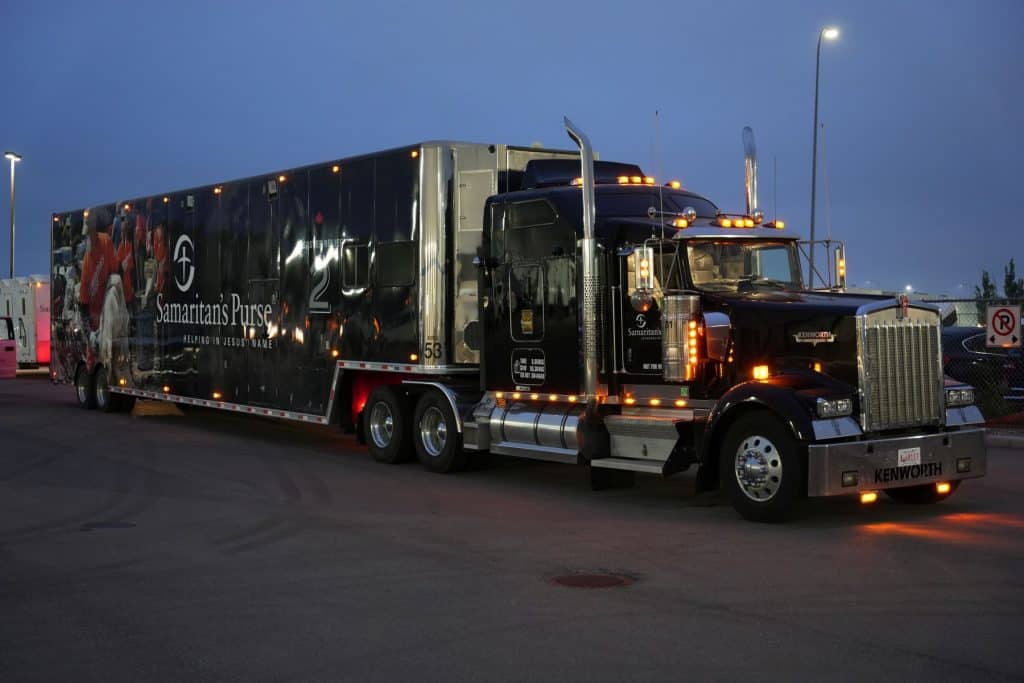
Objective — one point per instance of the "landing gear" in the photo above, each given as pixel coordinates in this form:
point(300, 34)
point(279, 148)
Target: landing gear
point(385, 419)
point(762, 468)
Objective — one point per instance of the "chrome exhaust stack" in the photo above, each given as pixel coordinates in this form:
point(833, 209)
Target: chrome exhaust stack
point(588, 247)
point(750, 172)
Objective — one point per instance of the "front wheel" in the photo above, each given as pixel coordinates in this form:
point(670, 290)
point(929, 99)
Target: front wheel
point(925, 494)
point(762, 468)
point(436, 435)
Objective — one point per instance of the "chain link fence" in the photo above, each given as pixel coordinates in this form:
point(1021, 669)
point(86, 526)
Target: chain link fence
point(995, 372)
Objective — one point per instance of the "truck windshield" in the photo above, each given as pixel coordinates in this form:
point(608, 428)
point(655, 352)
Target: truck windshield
point(743, 264)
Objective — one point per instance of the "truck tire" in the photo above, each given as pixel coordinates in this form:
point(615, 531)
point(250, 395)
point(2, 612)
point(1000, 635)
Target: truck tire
point(436, 435)
point(762, 468)
point(924, 494)
point(103, 399)
point(84, 389)
point(385, 422)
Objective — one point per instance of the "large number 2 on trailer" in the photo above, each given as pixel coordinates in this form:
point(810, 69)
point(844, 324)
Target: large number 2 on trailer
point(316, 302)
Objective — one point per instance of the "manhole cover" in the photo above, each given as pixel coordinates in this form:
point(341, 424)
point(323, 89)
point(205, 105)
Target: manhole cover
point(89, 526)
point(592, 580)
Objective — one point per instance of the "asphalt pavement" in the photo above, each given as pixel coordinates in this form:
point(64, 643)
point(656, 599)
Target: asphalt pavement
point(213, 546)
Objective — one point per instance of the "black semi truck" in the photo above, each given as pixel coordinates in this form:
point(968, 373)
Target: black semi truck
point(447, 299)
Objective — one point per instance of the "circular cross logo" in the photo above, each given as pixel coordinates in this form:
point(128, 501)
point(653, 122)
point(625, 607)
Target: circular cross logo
point(184, 270)
point(641, 321)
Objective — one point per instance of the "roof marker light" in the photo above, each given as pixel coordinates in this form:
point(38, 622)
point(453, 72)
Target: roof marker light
point(675, 184)
point(415, 153)
point(760, 372)
point(635, 179)
point(868, 497)
point(680, 223)
point(725, 222)
point(623, 179)
point(648, 180)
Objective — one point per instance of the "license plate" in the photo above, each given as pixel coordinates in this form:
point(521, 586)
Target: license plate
point(908, 456)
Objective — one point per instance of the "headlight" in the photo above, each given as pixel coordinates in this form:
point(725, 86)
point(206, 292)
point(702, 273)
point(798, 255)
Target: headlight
point(835, 407)
point(959, 397)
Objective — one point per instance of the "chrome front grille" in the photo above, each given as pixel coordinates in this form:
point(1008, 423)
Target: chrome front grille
point(900, 369)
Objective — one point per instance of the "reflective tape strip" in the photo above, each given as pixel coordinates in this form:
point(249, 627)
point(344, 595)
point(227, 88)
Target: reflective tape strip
point(409, 369)
point(221, 405)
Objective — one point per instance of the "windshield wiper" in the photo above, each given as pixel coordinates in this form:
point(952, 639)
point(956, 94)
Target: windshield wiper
point(758, 280)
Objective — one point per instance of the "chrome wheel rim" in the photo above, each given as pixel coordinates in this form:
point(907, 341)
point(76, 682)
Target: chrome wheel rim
point(82, 387)
point(101, 390)
point(382, 424)
point(433, 431)
point(758, 468)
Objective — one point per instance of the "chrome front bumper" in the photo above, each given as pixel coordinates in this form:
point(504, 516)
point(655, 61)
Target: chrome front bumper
point(877, 462)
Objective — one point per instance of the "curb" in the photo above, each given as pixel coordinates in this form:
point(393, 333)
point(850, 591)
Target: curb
point(996, 438)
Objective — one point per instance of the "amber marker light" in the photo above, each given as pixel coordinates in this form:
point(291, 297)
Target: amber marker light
point(680, 403)
point(499, 394)
point(675, 184)
point(648, 180)
point(414, 357)
point(748, 222)
point(725, 222)
point(943, 487)
point(166, 199)
point(635, 179)
point(868, 497)
point(85, 213)
point(122, 381)
point(817, 367)
point(680, 223)
point(516, 396)
point(217, 396)
point(127, 207)
point(218, 190)
point(760, 372)
point(629, 401)
point(576, 181)
point(281, 178)
point(623, 179)
point(167, 389)
point(553, 397)
point(335, 168)
point(655, 401)
point(415, 153)
point(334, 353)
point(572, 399)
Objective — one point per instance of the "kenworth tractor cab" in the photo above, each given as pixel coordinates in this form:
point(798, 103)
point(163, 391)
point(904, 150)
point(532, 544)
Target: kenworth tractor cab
point(638, 328)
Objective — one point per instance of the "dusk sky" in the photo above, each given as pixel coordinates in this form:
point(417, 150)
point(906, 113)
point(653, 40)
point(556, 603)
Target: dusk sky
point(921, 105)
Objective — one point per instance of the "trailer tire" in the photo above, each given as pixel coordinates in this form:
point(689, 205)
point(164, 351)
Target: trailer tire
point(385, 423)
point(104, 400)
point(436, 436)
point(759, 450)
point(84, 389)
point(925, 494)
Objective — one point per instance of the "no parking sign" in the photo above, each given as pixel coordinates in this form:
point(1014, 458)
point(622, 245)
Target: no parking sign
point(1003, 326)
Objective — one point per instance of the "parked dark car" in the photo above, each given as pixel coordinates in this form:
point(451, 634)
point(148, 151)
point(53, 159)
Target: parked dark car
point(997, 374)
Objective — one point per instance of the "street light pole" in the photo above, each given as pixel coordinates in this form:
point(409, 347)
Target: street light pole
point(828, 33)
point(14, 158)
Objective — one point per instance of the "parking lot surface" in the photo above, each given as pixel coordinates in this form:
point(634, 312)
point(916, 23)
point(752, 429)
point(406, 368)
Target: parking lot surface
point(217, 547)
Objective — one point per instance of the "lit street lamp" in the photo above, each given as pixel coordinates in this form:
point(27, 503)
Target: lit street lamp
point(827, 33)
point(14, 158)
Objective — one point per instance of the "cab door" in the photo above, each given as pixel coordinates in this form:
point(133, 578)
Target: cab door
point(8, 350)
